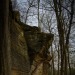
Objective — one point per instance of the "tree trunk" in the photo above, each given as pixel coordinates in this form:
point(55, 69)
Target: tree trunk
point(60, 25)
point(58, 62)
point(38, 13)
point(1, 35)
point(5, 39)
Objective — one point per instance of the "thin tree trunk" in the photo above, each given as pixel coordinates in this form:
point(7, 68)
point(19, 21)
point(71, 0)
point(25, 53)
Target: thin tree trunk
point(38, 13)
point(53, 69)
point(69, 62)
point(61, 32)
point(27, 15)
point(58, 61)
point(68, 34)
point(65, 72)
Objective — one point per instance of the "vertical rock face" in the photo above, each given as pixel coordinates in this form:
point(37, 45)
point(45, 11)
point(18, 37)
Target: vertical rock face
point(19, 54)
point(29, 48)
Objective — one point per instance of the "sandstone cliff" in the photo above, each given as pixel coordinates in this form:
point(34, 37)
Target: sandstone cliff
point(29, 48)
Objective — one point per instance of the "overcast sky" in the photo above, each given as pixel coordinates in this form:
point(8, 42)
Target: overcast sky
point(31, 20)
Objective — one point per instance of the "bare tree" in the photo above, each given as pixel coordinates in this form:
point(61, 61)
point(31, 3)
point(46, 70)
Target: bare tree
point(25, 9)
point(38, 12)
point(64, 25)
point(60, 24)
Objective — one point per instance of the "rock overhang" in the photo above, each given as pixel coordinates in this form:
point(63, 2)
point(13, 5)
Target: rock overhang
point(36, 40)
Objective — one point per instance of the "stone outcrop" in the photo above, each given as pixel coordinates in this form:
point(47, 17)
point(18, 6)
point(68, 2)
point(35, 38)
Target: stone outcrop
point(29, 48)
point(19, 52)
